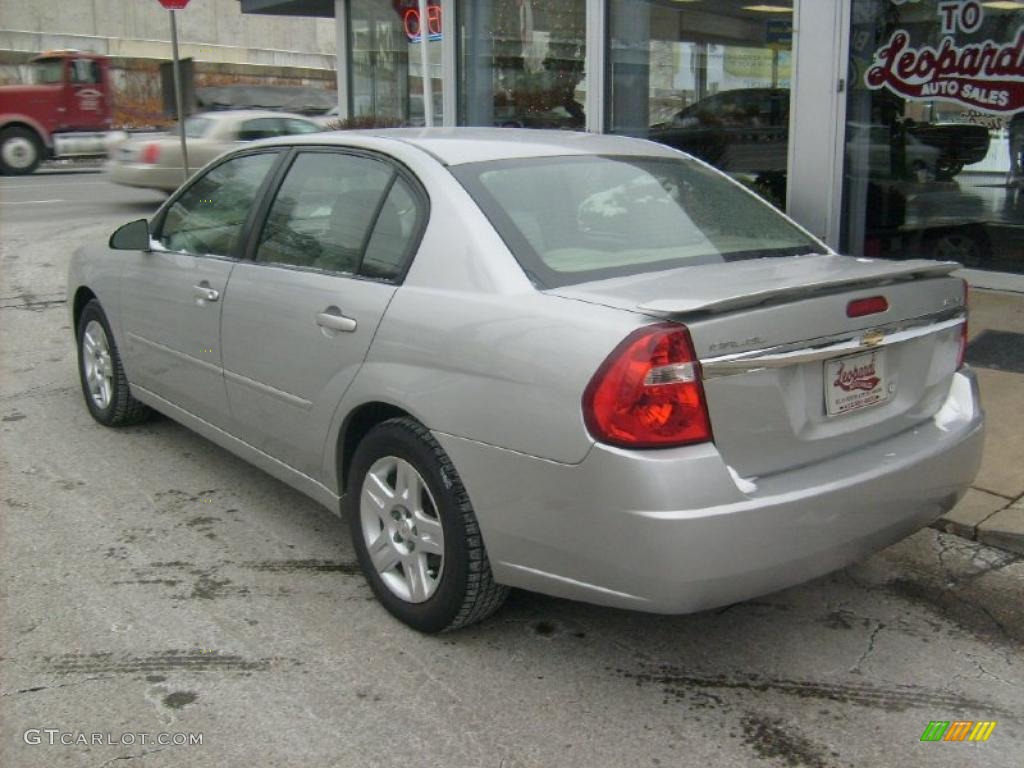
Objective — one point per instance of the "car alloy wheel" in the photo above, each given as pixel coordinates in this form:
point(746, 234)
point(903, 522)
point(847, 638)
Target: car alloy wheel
point(97, 365)
point(104, 383)
point(414, 531)
point(402, 529)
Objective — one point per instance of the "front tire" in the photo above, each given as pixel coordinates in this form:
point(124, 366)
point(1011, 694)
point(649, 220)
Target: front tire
point(415, 533)
point(20, 151)
point(104, 384)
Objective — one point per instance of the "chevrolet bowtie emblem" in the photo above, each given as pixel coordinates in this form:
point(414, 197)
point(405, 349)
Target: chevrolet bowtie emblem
point(872, 339)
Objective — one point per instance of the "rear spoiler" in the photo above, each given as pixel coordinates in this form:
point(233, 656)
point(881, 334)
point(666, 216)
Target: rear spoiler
point(868, 272)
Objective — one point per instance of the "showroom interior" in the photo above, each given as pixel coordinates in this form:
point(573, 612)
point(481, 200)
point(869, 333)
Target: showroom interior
point(889, 128)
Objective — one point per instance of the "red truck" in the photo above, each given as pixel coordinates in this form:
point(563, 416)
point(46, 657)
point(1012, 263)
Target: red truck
point(66, 111)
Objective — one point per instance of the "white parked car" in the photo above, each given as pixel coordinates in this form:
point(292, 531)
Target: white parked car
point(154, 160)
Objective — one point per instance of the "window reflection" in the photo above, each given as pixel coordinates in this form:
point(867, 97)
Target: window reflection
point(710, 79)
point(522, 63)
point(933, 161)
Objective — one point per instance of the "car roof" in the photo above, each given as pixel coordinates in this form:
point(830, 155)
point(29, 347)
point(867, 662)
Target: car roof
point(457, 146)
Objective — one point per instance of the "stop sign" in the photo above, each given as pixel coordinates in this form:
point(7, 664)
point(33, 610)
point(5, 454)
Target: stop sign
point(173, 5)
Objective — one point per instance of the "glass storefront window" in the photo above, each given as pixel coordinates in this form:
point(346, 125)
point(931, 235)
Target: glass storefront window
point(521, 63)
point(711, 79)
point(935, 132)
point(387, 64)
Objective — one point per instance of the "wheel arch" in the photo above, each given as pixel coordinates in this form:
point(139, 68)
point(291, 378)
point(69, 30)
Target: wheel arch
point(22, 121)
point(356, 425)
point(83, 295)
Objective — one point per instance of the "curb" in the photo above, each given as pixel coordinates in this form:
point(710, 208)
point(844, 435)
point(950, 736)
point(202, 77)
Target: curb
point(988, 519)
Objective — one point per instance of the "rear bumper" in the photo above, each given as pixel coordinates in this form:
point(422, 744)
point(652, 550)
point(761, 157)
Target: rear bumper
point(676, 531)
point(144, 175)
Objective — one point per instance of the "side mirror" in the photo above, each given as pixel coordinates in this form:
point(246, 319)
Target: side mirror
point(133, 236)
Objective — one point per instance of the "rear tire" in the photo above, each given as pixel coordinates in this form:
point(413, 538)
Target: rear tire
point(407, 504)
point(20, 151)
point(104, 384)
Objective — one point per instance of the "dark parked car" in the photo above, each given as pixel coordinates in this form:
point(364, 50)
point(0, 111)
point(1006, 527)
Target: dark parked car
point(747, 131)
point(959, 144)
point(740, 131)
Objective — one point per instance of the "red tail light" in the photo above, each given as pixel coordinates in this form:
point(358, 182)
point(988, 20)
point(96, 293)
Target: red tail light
point(150, 154)
point(647, 393)
point(869, 306)
point(963, 334)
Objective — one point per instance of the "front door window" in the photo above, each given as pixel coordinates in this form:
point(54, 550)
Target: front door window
point(208, 217)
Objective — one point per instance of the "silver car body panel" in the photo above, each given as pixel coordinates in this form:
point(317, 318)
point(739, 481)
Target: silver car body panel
point(675, 531)
point(285, 374)
point(496, 369)
point(170, 334)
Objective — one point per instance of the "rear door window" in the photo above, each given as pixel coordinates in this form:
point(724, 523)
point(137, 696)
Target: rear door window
point(294, 125)
point(395, 233)
point(260, 128)
point(323, 212)
point(344, 213)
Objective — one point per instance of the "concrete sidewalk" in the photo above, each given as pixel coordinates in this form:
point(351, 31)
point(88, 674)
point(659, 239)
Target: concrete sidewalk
point(993, 509)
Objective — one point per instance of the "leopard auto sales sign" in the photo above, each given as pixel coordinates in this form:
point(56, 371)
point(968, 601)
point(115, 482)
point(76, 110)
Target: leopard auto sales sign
point(987, 76)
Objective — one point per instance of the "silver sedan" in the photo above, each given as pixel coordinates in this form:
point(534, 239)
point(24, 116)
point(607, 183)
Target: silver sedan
point(584, 365)
point(154, 161)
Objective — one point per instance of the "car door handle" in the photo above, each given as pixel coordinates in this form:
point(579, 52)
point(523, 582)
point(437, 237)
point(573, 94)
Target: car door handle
point(332, 319)
point(205, 292)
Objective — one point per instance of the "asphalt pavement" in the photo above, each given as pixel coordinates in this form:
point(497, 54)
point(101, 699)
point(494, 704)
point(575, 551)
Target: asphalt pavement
point(153, 584)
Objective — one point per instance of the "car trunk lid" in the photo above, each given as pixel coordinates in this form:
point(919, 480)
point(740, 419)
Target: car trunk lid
point(790, 378)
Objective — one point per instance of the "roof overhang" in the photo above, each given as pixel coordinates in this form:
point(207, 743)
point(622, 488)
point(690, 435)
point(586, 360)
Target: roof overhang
point(323, 8)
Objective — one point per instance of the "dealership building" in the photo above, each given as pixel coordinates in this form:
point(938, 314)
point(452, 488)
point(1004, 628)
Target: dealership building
point(888, 127)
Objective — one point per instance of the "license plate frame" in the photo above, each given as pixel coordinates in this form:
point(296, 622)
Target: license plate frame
point(855, 382)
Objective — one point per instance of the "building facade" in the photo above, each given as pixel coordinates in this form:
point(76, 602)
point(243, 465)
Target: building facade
point(888, 127)
point(226, 47)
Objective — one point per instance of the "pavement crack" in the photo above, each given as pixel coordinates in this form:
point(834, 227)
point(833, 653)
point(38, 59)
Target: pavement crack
point(143, 753)
point(37, 688)
point(869, 650)
point(994, 676)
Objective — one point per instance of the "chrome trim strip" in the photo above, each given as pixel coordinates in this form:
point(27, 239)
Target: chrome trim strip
point(174, 352)
point(266, 389)
point(829, 346)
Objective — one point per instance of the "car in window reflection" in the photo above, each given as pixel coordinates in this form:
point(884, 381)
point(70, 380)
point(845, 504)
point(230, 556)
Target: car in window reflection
point(747, 131)
point(582, 365)
point(740, 131)
point(885, 154)
point(154, 160)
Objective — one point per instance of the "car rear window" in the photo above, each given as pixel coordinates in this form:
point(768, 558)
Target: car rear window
point(574, 219)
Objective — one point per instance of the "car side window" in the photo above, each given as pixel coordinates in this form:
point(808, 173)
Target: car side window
point(323, 211)
point(394, 233)
point(260, 128)
point(208, 217)
point(85, 71)
point(293, 125)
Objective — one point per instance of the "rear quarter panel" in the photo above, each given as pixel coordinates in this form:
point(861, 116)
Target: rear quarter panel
point(472, 349)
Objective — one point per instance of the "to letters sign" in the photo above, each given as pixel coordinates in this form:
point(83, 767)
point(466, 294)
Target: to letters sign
point(987, 76)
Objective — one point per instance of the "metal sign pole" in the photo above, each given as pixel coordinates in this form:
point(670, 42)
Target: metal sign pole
point(177, 94)
point(426, 81)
